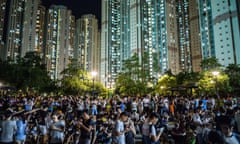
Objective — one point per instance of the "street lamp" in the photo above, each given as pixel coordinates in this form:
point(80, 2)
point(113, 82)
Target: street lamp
point(215, 74)
point(93, 73)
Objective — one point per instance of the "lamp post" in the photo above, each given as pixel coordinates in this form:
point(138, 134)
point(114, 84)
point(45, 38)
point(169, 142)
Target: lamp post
point(93, 73)
point(109, 78)
point(215, 74)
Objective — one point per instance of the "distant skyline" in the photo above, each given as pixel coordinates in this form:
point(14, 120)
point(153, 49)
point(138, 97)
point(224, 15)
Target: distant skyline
point(78, 7)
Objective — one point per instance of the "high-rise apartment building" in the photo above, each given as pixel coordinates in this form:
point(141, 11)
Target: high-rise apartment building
point(20, 28)
point(14, 30)
point(149, 35)
point(58, 38)
point(168, 38)
point(160, 36)
point(110, 41)
point(182, 8)
point(195, 37)
point(87, 43)
point(71, 37)
point(135, 28)
point(29, 26)
point(40, 30)
point(206, 29)
point(104, 44)
point(138, 27)
point(226, 25)
point(3, 10)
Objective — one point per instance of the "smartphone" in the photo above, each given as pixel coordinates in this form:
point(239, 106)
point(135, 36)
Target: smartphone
point(161, 129)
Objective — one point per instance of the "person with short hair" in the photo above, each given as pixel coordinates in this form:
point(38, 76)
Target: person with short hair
point(57, 128)
point(130, 135)
point(227, 124)
point(20, 135)
point(153, 134)
point(8, 128)
point(149, 132)
point(86, 127)
point(214, 137)
point(119, 130)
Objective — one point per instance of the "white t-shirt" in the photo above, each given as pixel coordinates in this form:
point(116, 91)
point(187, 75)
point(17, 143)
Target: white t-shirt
point(153, 131)
point(197, 118)
point(119, 127)
point(166, 103)
point(134, 106)
point(146, 102)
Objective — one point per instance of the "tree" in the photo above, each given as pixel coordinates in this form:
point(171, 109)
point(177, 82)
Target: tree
point(125, 84)
point(75, 80)
point(135, 78)
point(27, 73)
point(233, 72)
point(210, 84)
point(186, 78)
point(210, 64)
point(78, 81)
point(165, 83)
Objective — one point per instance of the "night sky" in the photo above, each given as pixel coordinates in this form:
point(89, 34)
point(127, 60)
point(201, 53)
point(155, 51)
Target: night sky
point(78, 7)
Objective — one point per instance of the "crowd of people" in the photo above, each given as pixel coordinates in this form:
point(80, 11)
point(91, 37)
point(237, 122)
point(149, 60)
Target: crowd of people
point(119, 120)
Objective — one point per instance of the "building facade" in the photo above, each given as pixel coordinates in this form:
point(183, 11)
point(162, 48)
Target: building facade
point(29, 26)
point(14, 29)
point(58, 37)
point(169, 49)
point(138, 27)
point(195, 36)
point(23, 28)
point(183, 21)
point(226, 27)
point(87, 45)
point(206, 28)
point(39, 42)
point(3, 10)
point(110, 41)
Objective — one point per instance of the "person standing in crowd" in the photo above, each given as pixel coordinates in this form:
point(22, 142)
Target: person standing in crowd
point(8, 128)
point(57, 128)
point(146, 103)
point(94, 110)
point(134, 105)
point(29, 105)
point(227, 125)
point(172, 108)
point(237, 119)
point(149, 132)
point(119, 129)
point(179, 134)
point(154, 135)
point(130, 135)
point(86, 127)
point(214, 137)
point(42, 123)
point(20, 135)
point(145, 131)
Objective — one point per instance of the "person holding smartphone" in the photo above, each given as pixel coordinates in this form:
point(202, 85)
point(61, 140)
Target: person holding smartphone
point(130, 135)
point(119, 129)
point(56, 128)
point(153, 133)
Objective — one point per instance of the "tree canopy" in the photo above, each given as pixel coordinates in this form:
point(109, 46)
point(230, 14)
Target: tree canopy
point(26, 73)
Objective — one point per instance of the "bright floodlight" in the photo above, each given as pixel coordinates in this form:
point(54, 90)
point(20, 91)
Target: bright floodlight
point(215, 73)
point(93, 73)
